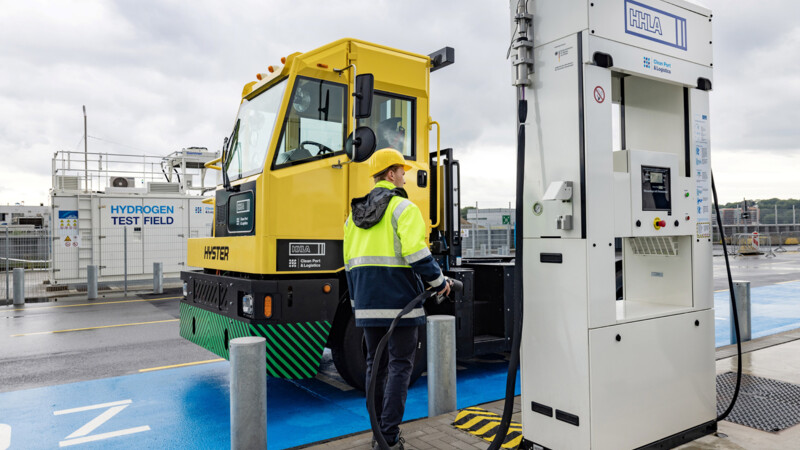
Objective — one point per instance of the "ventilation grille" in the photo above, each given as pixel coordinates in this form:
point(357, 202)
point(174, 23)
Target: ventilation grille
point(655, 245)
point(68, 183)
point(163, 187)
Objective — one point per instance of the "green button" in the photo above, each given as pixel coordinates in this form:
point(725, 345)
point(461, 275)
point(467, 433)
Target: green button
point(687, 194)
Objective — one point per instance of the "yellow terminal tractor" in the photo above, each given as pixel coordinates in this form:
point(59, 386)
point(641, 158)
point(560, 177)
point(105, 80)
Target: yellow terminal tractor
point(274, 265)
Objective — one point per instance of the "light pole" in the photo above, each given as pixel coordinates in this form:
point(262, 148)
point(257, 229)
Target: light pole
point(85, 154)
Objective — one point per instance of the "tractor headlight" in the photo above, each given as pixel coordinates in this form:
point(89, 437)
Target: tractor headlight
point(247, 305)
point(185, 289)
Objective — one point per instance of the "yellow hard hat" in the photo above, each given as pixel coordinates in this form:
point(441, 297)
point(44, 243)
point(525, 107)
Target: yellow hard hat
point(385, 158)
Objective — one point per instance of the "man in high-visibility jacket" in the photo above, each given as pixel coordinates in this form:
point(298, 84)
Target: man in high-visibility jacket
point(387, 260)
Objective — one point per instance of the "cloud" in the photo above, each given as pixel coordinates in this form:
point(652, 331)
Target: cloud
point(159, 75)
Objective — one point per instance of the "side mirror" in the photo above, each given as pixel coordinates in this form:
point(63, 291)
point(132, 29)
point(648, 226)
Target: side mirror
point(363, 95)
point(364, 144)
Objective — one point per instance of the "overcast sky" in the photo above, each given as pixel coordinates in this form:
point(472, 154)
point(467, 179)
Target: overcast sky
point(157, 76)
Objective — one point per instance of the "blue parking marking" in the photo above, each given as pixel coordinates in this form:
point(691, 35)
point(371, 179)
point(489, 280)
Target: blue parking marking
point(189, 408)
point(773, 309)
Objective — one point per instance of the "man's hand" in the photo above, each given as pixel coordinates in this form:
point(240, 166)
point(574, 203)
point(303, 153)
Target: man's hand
point(446, 290)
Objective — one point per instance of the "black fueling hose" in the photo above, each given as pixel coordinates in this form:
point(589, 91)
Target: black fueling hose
point(513, 363)
point(455, 286)
point(735, 313)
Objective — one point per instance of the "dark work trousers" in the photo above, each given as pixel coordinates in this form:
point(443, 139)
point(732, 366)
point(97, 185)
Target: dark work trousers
point(394, 373)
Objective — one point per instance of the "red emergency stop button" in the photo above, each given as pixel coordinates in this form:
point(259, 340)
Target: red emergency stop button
point(658, 223)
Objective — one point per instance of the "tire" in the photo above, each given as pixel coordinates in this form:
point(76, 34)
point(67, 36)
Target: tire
point(350, 356)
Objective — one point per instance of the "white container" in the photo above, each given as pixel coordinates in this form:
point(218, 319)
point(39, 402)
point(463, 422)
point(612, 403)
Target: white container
point(89, 229)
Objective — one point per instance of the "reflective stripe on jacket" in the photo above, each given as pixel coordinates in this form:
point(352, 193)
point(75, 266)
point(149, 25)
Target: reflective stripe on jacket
point(388, 262)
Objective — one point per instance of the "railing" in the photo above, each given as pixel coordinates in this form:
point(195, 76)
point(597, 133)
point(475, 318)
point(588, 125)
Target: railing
point(97, 172)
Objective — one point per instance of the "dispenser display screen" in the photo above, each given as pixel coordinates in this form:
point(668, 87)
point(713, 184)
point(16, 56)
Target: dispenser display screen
point(656, 189)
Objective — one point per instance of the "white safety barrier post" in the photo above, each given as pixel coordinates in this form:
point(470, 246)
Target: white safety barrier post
point(441, 334)
point(19, 286)
point(91, 282)
point(741, 290)
point(158, 278)
point(248, 393)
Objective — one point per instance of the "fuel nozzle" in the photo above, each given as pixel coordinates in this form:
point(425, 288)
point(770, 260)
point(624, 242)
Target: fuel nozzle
point(455, 286)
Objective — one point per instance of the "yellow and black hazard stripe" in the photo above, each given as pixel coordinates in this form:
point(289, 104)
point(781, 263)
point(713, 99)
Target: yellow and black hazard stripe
point(484, 424)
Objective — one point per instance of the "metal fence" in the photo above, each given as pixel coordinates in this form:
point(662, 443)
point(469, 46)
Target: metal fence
point(487, 241)
point(56, 264)
point(780, 227)
point(24, 247)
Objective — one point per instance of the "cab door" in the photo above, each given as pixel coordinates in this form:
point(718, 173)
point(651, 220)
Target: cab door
point(308, 180)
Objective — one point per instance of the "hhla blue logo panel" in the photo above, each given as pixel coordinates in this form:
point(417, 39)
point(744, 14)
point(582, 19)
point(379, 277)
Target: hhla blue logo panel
point(655, 25)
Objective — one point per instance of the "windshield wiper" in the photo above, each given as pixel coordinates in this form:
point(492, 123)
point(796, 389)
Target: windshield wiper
point(226, 182)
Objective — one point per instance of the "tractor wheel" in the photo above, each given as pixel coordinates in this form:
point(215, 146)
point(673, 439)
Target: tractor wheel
point(350, 356)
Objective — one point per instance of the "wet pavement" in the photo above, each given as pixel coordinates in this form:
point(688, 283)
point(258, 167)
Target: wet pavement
point(65, 362)
point(74, 339)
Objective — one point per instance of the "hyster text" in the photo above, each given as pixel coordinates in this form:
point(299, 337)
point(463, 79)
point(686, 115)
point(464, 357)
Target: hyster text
point(216, 252)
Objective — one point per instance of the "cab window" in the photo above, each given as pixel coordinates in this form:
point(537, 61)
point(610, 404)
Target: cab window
point(392, 120)
point(315, 122)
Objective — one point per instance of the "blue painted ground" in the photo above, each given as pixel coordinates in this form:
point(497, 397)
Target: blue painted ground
point(774, 309)
point(188, 408)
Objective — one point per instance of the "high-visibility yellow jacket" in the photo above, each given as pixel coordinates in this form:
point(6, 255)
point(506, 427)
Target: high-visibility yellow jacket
point(387, 258)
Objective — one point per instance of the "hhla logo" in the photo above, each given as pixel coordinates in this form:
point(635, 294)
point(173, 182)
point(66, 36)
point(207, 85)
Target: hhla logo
point(644, 21)
point(655, 25)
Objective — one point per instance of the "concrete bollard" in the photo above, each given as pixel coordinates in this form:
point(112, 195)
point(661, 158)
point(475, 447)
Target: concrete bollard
point(248, 393)
point(441, 334)
point(91, 282)
point(19, 286)
point(158, 278)
point(741, 289)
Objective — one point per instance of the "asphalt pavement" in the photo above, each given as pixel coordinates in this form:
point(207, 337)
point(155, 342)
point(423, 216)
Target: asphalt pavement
point(75, 339)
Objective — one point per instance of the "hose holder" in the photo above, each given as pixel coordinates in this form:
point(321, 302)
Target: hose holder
point(561, 191)
point(522, 43)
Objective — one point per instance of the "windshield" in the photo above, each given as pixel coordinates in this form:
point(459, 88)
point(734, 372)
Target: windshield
point(250, 141)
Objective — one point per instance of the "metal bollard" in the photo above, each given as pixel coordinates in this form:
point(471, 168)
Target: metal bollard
point(248, 393)
point(7, 256)
point(125, 257)
point(91, 282)
point(19, 286)
point(741, 289)
point(158, 278)
point(441, 334)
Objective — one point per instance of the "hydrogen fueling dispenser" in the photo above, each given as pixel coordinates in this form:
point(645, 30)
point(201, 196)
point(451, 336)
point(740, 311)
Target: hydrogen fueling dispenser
point(617, 345)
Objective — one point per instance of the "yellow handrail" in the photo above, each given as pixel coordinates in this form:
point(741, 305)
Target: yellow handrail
point(210, 164)
point(439, 183)
point(208, 201)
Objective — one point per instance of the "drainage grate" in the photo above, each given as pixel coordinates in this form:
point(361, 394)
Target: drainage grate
point(100, 287)
point(763, 404)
